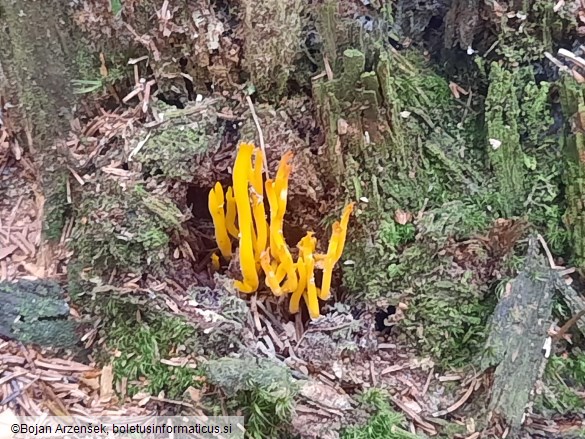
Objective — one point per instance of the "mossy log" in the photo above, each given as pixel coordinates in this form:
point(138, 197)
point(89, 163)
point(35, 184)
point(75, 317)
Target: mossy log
point(349, 108)
point(505, 151)
point(36, 312)
point(573, 104)
point(35, 78)
point(518, 331)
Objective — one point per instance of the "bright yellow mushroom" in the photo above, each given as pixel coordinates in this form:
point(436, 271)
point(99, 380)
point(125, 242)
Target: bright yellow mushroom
point(215, 262)
point(311, 294)
point(273, 203)
point(271, 281)
point(231, 212)
point(305, 266)
point(262, 247)
point(329, 261)
point(278, 247)
point(343, 223)
point(295, 299)
point(241, 175)
point(215, 204)
point(257, 197)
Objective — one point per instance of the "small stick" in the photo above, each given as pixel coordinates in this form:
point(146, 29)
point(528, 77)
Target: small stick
point(568, 324)
point(260, 134)
point(549, 255)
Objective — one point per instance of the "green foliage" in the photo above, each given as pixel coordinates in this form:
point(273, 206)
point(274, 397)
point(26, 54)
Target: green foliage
point(384, 423)
point(264, 390)
point(116, 6)
point(90, 78)
point(393, 235)
point(565, 381)
point(137, 340)
point(128, 230)
point(455, 219)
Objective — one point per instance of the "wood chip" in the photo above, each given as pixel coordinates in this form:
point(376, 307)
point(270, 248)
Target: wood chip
point(106, 383)
point(7, 251)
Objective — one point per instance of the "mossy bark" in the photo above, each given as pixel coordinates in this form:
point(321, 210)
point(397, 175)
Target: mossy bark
point(35, 78)
point(515, 345)
point(573, 104)
point(36, 312)
point(505, 152)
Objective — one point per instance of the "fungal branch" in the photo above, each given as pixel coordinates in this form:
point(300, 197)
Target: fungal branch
point(262, 249)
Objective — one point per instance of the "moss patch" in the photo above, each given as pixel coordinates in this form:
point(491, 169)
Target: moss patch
point(564, 381)
point(176, 148)
point(262, 389)
point(127, 230)
point(272, 41)
point(137, 341)
point(384, 423)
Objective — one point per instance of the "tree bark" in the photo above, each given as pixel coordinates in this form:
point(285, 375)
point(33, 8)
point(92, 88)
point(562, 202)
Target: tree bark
point(35, 80)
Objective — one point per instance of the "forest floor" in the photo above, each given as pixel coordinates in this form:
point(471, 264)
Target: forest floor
point(452, 156)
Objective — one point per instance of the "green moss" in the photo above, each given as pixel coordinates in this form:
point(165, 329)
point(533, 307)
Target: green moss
point(572, 100)
point(262, 389)
point(565, 380)
point(503, 139)
point(136, 340)
point(272, 42)
point(127, 230)
point(384, 422)
point(174, 149)
point(56, 206)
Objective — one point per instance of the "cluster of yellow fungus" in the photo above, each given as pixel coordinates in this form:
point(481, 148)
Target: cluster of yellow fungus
point(261, 244)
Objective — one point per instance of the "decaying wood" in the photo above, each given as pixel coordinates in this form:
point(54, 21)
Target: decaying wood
point(518, 331)
point(36, 312)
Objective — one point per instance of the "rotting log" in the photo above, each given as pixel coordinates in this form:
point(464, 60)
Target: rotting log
point(504, 147)
point(36, 312)
point(35, 79)
point(573, 105)
point(518, 332)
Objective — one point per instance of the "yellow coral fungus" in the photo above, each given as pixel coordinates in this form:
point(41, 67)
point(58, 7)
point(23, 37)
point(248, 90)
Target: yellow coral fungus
point(231, 212)
point(330, 260)
point(271, 281)
point(257, 197)
point(215, 204)
point(311, 293)
point(262, 246)
point(306, 248)
point(215, 262)
point(343, 223)
point(240, 183)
